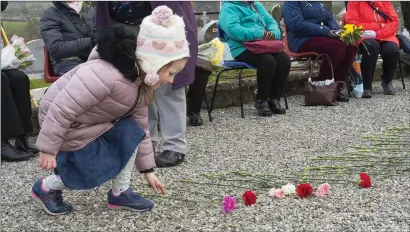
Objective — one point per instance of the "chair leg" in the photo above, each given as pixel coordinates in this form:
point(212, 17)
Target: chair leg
point(215, 87)
point(401, 74)
point(241, 94)
point(207, 106)
point(310, 67)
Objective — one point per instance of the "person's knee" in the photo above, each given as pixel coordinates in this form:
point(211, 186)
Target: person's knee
point(4, 79)
point(265, 61)
point(370, 47)
point(283, 58)
point(19, 78)
point(389, 50)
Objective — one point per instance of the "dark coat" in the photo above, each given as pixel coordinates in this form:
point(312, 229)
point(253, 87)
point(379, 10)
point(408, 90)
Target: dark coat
point(181, 8)
point(68, 37)
point(303, 21)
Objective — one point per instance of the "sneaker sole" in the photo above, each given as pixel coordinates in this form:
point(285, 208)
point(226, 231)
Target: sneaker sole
point(119, 207)
point(38, 200)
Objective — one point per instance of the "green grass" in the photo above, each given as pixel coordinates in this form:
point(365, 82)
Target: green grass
point(17, 28)
point(35, 84)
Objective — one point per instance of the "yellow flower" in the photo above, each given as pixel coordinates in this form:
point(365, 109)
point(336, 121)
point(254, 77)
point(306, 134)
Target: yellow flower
point(349, 28)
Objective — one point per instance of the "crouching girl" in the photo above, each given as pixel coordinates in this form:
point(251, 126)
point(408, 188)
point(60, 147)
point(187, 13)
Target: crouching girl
point(94, 119)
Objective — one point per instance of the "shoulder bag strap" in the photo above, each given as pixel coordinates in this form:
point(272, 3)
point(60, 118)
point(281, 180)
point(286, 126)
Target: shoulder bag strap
point(379, 12)
point(129, 112)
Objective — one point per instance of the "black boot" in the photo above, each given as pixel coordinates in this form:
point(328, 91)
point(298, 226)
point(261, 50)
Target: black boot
point(22, 144)
point(169, 159)
point(275, 107)
point(263, 108)
point(11, 154)
point(195, 119)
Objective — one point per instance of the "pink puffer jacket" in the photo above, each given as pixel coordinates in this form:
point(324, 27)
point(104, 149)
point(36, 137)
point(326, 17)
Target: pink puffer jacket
point(93, 94)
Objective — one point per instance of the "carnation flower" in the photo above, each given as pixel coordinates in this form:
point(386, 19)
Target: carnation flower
point(323, 190)
point(228, 204)
point(289, 189)
point(278, 193)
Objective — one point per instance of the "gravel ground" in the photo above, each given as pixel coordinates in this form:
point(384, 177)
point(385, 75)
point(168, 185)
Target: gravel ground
point(269, 145)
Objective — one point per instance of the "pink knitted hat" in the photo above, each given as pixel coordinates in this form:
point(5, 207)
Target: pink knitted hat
point(161, 40)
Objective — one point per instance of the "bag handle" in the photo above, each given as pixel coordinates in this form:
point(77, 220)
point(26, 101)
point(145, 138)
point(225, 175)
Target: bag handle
point(379, 12)
point(329, 61)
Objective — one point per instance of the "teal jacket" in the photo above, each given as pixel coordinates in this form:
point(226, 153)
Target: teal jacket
point(245, 21)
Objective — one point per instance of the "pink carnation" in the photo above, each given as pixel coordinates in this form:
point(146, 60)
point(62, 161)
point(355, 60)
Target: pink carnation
point(323, 190)
point(26, 51)
point(228, 204)
point(278, 193)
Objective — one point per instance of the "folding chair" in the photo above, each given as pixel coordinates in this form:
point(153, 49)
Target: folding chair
point(300, 56)
point(49, 76)
point(231, 66)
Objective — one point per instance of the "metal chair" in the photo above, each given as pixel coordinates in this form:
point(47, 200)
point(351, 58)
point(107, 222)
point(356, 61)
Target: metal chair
point(231, 66)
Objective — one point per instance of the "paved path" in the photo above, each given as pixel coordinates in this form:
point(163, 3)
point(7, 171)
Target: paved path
point(272, 146)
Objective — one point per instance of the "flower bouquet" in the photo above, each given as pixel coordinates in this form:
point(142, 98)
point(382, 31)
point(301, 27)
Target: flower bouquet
point(16, 55)
point(351, 34)
point(212, 51)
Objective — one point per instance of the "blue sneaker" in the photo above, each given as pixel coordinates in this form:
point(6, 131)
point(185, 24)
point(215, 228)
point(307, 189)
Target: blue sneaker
point(129, 200)
point(51, 201)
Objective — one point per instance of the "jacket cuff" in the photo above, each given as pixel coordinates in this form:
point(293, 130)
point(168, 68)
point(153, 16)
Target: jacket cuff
point(145, 162)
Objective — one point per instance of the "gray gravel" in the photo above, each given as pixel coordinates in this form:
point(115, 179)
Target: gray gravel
point(273, 146)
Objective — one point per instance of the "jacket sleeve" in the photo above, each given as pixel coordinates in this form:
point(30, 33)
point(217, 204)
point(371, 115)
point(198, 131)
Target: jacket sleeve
point(83, 91)
point(353, 17)
point(271, 24)
point(145, 154)
point(53, 38)
point(294, 22)
point(390, 27)
point(332, 23)
point(229, 21)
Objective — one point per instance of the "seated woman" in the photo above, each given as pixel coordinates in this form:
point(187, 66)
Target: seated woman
point(68, 33)
point(15, 116)
point(311, 28)
point(246, 21)
point(381, 18)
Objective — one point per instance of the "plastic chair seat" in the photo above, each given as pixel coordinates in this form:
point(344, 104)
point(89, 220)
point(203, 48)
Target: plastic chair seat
point(236, 64)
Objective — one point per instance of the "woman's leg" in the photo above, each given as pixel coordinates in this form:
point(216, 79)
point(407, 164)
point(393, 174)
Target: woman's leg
point(282, 72)
point(11, 125)
point(333, 48)
point(266, 67)
point(389, 52)
point(121, 196)
point(370, 50)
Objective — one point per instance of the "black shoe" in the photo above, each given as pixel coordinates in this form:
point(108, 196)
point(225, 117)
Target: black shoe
point(22, 144)
point(169, 159)
point(11, 154)
point(343, 95)
point(275, 107)
point(367, 93)
point(263, 108)
point(388, 88)
point(195, 119)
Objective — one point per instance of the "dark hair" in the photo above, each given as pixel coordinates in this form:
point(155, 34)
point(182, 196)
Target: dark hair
point(117, 46)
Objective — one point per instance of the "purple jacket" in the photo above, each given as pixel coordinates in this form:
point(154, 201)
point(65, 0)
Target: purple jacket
point(181, 8)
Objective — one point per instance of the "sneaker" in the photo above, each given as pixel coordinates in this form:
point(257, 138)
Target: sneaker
point(263, 108)
point(367, 93)
point(388, 88)
point(275, 107)
point(129, 200)
point(51, 201)
point(343, 95)
point(195, 119)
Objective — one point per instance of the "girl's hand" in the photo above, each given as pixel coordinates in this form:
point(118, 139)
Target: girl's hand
point(154, 182)
point(47, 161)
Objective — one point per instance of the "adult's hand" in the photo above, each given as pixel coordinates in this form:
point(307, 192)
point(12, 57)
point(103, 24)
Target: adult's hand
point(268, 36)
point(333, 35)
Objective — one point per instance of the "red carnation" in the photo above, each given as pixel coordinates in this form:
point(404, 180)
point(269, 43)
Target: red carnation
point(304, 190)
point(365, 181)
point(249, 197)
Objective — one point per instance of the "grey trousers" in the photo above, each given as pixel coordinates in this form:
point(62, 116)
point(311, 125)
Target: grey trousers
point(170, 108)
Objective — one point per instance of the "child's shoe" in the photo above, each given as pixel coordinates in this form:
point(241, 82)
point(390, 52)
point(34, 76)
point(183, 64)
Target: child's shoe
point(129, 200)
point(51, 201)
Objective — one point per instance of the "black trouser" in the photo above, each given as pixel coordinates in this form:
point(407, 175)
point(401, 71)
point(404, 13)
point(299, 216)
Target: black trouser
point(272, 72)
point(197, 89)
point(15, 104)
point(370, 50)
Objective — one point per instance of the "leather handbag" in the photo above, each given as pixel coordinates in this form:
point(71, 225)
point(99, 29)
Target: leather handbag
point(264, 46)
point(323, 93)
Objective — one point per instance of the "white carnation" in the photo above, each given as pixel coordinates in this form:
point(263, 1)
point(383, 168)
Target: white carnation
point(289, 189)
